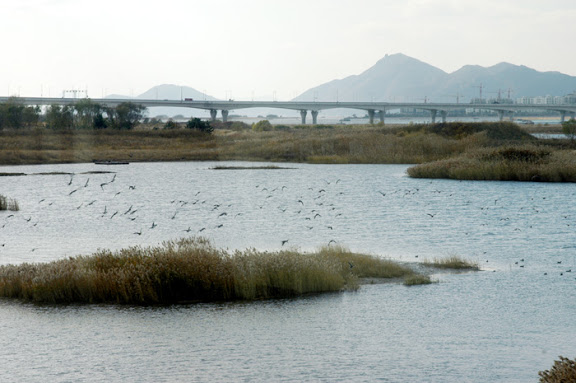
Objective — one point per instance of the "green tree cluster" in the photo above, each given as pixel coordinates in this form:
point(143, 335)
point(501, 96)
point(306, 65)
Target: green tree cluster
point(198, 124)
point(14, 114)
point(84, 114)
point(569, 129)
point(125, 116)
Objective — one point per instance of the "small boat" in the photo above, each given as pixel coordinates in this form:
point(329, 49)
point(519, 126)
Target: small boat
point(111, 162)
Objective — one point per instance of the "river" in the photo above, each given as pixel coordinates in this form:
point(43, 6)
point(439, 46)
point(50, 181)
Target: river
point(504, 323)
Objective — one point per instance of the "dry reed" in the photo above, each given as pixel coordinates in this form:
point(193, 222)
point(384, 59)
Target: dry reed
point(189, 270)
point(452, 262)
point(417, 279)
point(563, 371)
point(339, 144)
point(509, 163)
point(8, 203)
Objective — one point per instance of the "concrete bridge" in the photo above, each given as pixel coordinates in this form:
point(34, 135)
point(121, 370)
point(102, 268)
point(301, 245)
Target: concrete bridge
point(435, 109)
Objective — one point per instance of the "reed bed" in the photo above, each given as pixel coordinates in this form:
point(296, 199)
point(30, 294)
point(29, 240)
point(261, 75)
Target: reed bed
point(189, 270)
point(8, 203)
point(417, 279)
point(339, 144)
point(452, 262)
point(365, 265)
point(509, 163)
point(563, 371)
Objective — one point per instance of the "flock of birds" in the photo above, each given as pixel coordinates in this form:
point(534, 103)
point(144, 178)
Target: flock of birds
point(315, 211)
point(101, 196)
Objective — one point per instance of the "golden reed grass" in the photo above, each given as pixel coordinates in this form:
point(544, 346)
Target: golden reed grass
point(563, 371)
point(190, 270)
point(417, 279)
point(452, 262)
point(339, 144)
point(509, 163)
point(8, 203)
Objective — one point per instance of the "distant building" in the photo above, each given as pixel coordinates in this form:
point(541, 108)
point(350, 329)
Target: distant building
point(547, 100)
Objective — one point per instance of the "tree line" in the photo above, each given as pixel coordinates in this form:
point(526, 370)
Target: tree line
point(83, 114)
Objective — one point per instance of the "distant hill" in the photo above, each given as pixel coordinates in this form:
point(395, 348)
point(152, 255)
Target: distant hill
point(174, 92)
point(400, 78)
point(171, 92)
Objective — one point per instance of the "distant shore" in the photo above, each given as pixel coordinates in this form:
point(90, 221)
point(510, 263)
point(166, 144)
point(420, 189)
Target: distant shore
point(378, 144)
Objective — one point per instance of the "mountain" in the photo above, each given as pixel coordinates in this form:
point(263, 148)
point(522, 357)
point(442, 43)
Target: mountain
point(174, 92)
point(397, 78)
point(171, 92)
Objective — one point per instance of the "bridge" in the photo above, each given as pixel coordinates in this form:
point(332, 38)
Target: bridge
point(435, 109)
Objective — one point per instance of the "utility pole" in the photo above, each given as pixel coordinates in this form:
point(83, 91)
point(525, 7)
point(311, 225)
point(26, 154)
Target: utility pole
point(480, 87)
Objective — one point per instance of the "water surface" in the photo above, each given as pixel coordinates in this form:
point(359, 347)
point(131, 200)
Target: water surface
point(502, 324)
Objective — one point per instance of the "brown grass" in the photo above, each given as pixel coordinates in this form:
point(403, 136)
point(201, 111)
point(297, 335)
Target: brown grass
point(190, 270)
point(417, 279)
point(8, 203)
point(339, 144)
point(563, 371)
point(510, 163)
point(452, 262)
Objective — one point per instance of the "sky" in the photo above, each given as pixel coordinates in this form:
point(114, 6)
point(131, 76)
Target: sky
point(264, 49)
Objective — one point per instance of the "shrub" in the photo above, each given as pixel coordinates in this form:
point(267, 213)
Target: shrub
point(170, 124)
point(262, 126)
point(198, 124)
point(569, 129)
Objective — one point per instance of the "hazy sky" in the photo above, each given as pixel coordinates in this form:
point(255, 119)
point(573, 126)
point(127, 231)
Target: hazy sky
point(256, 48)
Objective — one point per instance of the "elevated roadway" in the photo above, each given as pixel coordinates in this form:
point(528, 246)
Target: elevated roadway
point(435, 109)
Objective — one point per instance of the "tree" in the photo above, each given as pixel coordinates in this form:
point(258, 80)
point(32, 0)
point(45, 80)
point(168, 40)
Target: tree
point(170, 124)
point(126, 115)
point(14, 114)
point(31, 116)
point(569, 129)
point(262, 126)
point(87, 113)
point(198, 124)
point(99, 122)
point(60, 117)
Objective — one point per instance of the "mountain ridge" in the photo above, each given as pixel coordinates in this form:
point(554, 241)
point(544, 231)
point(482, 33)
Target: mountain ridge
point(399, 77)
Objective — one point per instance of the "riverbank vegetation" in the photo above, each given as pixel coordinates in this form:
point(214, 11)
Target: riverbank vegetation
point(507, 163)
point(8, 203)
point(408, 144)
point(563, 371)
point(86, 132)
point(192, 270)
point(452, 262)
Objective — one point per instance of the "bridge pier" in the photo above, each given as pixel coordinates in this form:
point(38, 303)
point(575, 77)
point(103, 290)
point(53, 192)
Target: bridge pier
point(213, 113)
point(443, 114)
point(562, 116)
point(433, 113)
point(314, 116)
point(503, 113)
point(371, 115)
point(303, 115)
point(382, 114)
point(224, 115)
